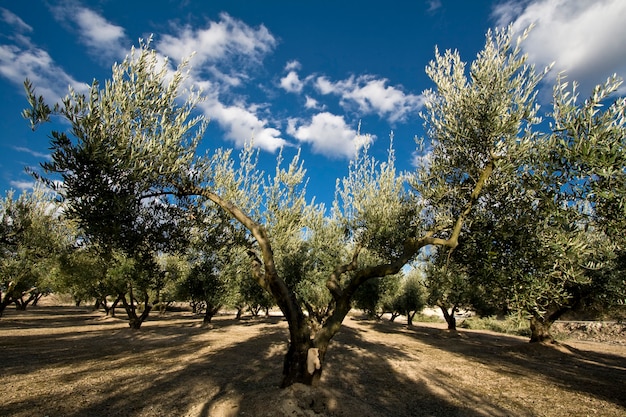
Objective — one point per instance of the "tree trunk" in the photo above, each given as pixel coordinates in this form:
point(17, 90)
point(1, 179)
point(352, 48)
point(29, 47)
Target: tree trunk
point(111, 310)
point(135, 321)
point(540, 330)
point(409, 318)
point(449, 316)
point(540, 324)
point(303, 363)
point(209, 313)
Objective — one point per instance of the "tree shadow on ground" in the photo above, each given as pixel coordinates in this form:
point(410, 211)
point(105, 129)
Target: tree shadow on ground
point(368, 369)
point(176, 367)
point(598, 374)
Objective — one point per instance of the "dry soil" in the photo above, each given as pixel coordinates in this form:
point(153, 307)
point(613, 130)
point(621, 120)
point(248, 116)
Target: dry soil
point(68, 361)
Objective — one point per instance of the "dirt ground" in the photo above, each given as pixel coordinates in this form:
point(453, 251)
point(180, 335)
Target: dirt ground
point(68, 361)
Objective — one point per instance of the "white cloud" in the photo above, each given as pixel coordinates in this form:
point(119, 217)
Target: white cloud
point(221, 41)
point(584, 38)
point(433, 5)
point(311, 103)
point(223, 54)
point(15, 21)
point(329, 135)
point(23, 185)
point(372, 96)
point(50, 81)
point(291, 83)
point(292, 66)
point(324, 86)
point(104, 39)
point(242, 124)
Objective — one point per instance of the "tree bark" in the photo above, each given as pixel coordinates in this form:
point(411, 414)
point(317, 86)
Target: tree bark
point(303, 362)
point(449, 316)
point(540, 330)
point(135, 321)
point(409, 318)
point(209, 313)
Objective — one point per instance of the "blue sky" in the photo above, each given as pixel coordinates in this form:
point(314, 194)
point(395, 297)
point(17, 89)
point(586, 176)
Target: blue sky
point(291, 74)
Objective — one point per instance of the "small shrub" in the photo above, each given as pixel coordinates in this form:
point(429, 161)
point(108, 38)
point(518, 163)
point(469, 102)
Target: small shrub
point(427, 318)
point(510, 325)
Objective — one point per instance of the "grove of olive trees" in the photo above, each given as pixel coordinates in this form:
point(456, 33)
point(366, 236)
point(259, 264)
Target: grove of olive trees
point(132, 179)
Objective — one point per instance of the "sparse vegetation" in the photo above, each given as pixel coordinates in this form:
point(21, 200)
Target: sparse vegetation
point(513, 324)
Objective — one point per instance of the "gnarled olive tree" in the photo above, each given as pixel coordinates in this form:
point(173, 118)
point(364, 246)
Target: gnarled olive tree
point(135, 126)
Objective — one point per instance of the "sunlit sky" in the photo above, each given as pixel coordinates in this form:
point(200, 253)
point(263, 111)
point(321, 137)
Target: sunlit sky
point(291, 74)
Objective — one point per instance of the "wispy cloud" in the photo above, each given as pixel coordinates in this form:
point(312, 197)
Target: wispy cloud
point(23, 185)
point(433, 5)
point(104, 39)
point(312, 103)
point(329, 135)
point(584, 38)
point(14, 21)
point(18, 62)
point(32, 152)
point(20, 59)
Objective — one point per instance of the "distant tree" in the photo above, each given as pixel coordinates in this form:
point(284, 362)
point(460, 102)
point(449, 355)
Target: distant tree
point(410, 300)
point(140, 145)
point(376, 296)
point(448, 287)
point(174, 269)
point(32, 234)
point(81, 274)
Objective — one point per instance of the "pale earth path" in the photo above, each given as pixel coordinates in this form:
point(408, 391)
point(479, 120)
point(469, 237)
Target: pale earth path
point(66, 361)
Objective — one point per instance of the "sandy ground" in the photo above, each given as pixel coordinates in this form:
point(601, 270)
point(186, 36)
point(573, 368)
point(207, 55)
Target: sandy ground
point(67, 361)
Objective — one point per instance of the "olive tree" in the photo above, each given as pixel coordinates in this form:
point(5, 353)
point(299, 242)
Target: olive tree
point(33, 234)
point(448, 287)
point(551, 240)
point(410, 299)
point(141, 135)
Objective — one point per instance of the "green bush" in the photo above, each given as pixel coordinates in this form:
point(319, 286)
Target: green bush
point(510, 324)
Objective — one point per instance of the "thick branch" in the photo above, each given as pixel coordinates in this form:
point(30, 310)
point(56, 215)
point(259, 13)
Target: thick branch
point(411, 247)
point(270, 279)
point(333, 283)
point(453, 240)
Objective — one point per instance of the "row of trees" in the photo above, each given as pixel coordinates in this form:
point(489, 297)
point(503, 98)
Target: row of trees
point(42, 251)
point(510, 208)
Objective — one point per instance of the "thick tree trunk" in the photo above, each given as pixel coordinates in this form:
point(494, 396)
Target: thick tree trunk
point(135, 321)
point(540, 324)
point(303, 363)
point(540, 330)
point(449, 316)
point(209, 313)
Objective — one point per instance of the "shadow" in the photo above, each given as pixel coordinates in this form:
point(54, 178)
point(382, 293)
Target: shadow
point(599, 374)
point(175, 367)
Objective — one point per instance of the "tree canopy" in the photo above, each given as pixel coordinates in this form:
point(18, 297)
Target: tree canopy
point(132, 178)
